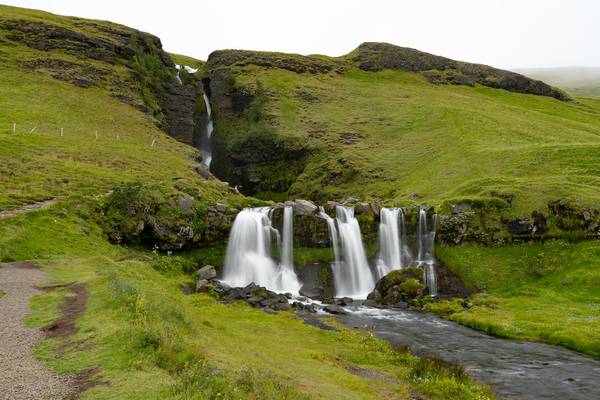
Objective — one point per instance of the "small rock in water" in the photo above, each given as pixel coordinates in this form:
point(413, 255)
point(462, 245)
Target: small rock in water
point(343, 301)
point(333, 309)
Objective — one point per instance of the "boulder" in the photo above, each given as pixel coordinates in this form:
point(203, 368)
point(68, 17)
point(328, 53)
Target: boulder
point(364, 209)
point(202, 286)
point(397, 287)
point(519, 226)
point(207, 272)
point(304, 207)
point(334, 309)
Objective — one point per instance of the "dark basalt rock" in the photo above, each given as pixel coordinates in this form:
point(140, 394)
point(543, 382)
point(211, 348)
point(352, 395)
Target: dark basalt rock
point(398, 286)
point(291, 62)
point(317, 281)
point(378, 56)
point(258, 297)
point(335, 309)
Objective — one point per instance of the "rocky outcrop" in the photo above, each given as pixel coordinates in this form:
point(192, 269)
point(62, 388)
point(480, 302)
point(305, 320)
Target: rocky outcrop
point(291, 62)
point(378, 56)
point(161, 217)
point(259, 297)
point(489, 222)
point(399, 288)
point(317, 280)
point(180, 105)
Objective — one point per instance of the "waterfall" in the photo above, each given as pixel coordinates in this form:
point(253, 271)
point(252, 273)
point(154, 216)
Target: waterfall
point(205, 141)
point(248, 258)
point(287, 253)
point(288, 280)
point(393, 249)
point(177, 77)
point(389, 242)
point(426, 257)
point(352, 276)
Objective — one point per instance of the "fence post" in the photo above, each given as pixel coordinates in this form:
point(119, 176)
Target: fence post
point(62, 132)
point(14, 127)
point(32, 130)
point(96, 135)
point(153, 142)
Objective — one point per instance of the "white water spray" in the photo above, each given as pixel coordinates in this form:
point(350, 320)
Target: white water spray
point(248, 258)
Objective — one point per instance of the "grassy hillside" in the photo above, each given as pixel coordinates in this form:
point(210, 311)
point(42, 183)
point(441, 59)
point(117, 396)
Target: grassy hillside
point(547, 292)
point(86, 120)
point(394, 135)
point(148, 339)
point(58, 138)
point(578, 81)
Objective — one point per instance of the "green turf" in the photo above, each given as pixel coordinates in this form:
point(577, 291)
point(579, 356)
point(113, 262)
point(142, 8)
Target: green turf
point(426, 143)
point(149, 339)
point(546, 292)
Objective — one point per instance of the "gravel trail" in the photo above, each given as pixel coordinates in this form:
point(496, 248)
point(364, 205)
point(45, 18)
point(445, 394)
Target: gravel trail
point(22, 376)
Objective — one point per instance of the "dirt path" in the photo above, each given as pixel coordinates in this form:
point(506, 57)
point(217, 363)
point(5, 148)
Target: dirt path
point(29, 207)
point(21, 376)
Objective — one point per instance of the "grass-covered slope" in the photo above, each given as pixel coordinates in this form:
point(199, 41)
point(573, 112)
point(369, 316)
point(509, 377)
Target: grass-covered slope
point(547, 292)
point(395, 135)
point(76, 116)
point(144, 338)
point(82, 98)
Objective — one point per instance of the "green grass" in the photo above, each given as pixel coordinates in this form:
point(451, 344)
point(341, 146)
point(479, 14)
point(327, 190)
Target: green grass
point(547, 292)
point(149, 339)
point(429, 143)
point(104, 142)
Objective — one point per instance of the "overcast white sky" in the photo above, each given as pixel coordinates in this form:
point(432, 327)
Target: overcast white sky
point(508, 34)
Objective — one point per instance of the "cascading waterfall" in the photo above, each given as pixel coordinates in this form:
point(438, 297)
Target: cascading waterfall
point(352, 276)
point(248, 258)
point(426, 258)
point(288, 280)
point(393, 250)
point(205, 140)
point(177, 77)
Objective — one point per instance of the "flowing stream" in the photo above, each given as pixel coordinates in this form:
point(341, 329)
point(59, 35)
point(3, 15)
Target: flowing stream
point(516, 370)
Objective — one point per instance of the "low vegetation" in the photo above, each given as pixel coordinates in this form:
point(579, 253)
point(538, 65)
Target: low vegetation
point(148, 339)
point(548, 292)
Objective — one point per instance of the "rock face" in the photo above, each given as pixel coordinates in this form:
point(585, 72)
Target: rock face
point(378, 56)
point(179, 104)
point(317, 281)
point(398, 287)
point(156, 216)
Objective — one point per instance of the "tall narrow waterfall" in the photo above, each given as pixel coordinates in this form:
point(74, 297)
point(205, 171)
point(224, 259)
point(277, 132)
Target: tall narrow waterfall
point(248, 258)
point(288, 280)
point(393, 249)
point(426, 257)
point(352, 276)
point(205, 145)
point(177, 77)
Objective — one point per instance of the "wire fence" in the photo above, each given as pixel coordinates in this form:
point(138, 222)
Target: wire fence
point(53, 130)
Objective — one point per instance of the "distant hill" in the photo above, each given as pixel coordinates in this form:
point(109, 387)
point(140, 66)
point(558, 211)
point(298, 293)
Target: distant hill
point(578, 81)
